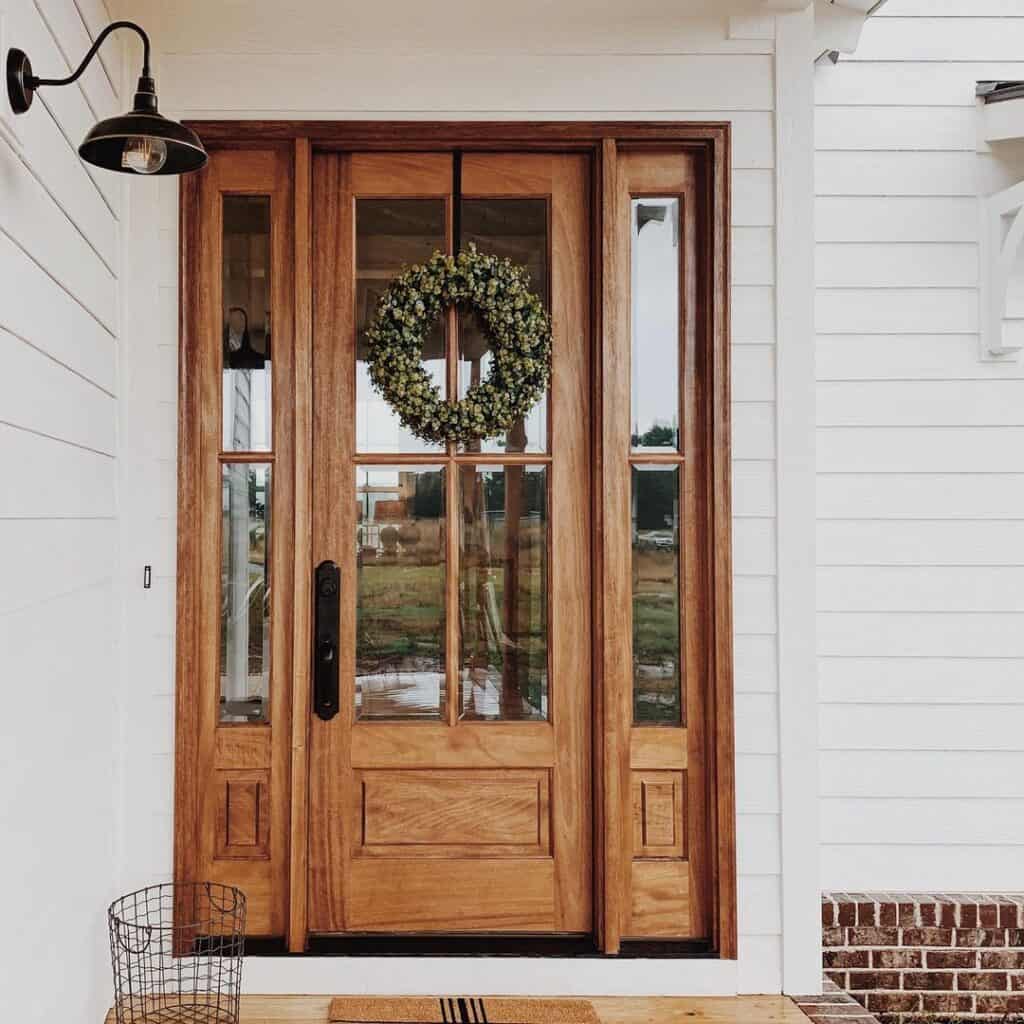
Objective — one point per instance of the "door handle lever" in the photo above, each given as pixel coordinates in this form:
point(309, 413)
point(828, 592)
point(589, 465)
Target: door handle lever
point(327, 586)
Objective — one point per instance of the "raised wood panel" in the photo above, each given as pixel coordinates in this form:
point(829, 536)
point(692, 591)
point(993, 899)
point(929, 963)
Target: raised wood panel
point(489, 813)
point(660, 899)
point(243, 815)
point(489, 894)
point(659, 815)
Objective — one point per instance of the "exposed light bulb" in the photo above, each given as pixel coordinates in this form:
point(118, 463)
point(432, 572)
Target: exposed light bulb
point(144, 154)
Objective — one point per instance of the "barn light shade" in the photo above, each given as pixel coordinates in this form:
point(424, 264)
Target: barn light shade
point(142, 141)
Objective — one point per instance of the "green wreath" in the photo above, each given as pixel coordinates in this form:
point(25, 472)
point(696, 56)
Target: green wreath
point(516, 325)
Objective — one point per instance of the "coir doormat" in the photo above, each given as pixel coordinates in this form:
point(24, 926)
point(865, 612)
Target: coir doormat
point(459, 1010)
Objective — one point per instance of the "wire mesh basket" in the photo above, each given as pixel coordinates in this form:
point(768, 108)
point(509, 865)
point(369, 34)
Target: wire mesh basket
point(176, 950)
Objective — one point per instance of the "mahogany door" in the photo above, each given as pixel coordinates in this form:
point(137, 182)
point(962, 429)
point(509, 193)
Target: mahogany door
point(452, 790)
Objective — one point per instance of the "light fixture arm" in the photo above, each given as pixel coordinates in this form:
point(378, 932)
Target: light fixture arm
point(35, 82)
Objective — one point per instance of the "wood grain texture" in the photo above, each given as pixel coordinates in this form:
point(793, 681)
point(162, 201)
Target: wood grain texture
point(490, 813)
point(659, 898)
point(610, 1009)
point(205, 750)
point(298, 841)
point(561, 747)
point(243, 814)
point(477, 894)
point(659, 814)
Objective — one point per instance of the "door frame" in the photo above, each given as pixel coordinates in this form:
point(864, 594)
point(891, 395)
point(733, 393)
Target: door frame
point(709, 144)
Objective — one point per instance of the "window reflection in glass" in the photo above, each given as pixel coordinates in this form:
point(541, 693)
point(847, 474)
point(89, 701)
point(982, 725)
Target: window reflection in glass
point(654, 301)
point(245, 593)
point(503, 592)
point(392, 234)
point(400, 599)
point(246, 339)
point(516, 229)
point(656, 648)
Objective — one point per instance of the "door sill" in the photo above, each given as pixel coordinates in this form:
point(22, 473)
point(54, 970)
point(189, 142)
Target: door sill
point(569, 946)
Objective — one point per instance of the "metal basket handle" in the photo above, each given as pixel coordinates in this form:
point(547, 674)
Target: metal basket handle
point(120, 926)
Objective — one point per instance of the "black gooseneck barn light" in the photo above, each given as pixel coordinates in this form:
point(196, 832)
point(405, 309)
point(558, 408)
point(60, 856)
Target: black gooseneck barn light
point(142, 141)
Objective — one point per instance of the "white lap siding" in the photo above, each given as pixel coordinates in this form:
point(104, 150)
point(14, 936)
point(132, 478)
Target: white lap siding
point(921, 468)
point(60, 232)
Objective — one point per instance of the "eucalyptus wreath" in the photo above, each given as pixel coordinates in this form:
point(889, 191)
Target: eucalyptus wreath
point(516, 324)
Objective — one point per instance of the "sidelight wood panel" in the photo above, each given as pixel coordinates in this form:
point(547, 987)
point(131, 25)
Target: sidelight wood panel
point(232, 780)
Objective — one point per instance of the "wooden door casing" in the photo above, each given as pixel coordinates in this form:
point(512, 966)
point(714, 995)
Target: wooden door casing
point(286, 894)
point(537, 880)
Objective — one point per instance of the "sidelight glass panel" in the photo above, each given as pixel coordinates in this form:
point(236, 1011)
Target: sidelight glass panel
point(503, 592)
point(246, 335)
point(516, 229)
point(245, 593)
point(656, 581)
point(392, 234)
point(654, 311)
point(400, 598)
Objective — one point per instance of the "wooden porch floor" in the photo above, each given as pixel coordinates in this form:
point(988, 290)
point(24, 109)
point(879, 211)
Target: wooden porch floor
point(696, 1010)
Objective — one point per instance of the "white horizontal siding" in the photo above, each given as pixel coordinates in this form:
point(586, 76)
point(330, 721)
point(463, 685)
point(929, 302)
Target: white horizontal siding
point(921, 471)
point(59, 619)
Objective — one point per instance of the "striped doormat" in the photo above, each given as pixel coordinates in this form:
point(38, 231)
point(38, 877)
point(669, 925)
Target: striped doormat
point(459, 1010)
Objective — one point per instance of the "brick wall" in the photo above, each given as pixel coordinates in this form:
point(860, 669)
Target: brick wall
point(927, 956)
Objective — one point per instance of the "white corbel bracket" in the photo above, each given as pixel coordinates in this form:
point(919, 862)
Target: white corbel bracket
point(1002, 231)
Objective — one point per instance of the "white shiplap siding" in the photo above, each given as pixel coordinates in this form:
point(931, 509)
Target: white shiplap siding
point(921, 468)
point(59, 264)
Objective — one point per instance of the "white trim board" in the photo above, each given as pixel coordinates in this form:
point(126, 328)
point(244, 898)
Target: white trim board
point(535, 976)
point(795, 469)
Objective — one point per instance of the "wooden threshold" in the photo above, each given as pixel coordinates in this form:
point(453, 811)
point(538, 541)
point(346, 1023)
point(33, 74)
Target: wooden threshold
point(610, 1010)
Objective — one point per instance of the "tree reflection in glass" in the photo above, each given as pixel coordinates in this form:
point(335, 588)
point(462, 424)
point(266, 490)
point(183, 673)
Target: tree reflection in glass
point(503, 592)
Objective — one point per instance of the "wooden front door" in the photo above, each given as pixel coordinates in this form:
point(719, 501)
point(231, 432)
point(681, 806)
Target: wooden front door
point(452, 790)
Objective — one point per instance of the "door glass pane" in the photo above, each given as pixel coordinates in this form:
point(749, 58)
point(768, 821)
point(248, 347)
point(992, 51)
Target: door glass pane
point(400, 599)
point(245, 593)
point(392, 234)
point(503, 592)
point(246, 337)
point(516, 229)
point(654, 301)
point(656, 650)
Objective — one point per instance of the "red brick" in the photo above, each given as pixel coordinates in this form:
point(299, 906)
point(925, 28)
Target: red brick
point(888, 915)
point(980, 937)
point(927, 937)
point(947, 1002)
point(1009, 914)
point(952, 958)
point(988, 915)
point(1017, 982)
point(867, 914)
point(1007, 959)
point(832, 937)
point(846, 958)
point(1015, 937)
point(1000, 1004)
point(839, 977)
point(926, 912)
point(981, 981)
point(873, 937)
point(968, 915)
point(828, 913)
point(928, 980)
point(846, 913)
point(894, 1002)
point(896, 959)
point(865, 981)
point(947, 914)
